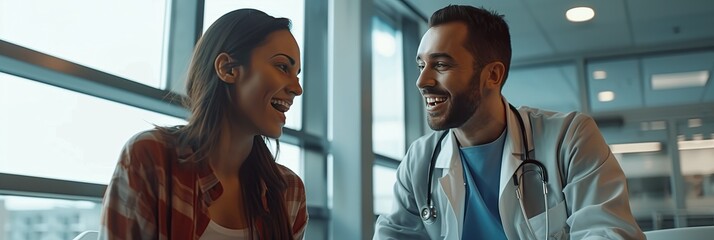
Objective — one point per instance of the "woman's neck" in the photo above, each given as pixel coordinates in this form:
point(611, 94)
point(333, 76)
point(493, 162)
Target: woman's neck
point(233, 149)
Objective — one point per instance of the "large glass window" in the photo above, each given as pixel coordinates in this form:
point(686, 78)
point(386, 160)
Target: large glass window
point(55, 133)
point(124, 38)
point(43, 218)
point(696, 152)
point(291, 9)
point(648, 171)
point(387, 90)
point(383, 183)
point(289, 156)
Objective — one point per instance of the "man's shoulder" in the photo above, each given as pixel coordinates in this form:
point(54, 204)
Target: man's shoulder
point(548, 118)
point(426, 142)
point(430, 137)
point(421, 149)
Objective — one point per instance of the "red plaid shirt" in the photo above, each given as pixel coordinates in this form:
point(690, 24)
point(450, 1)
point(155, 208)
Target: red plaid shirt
point(136, 206)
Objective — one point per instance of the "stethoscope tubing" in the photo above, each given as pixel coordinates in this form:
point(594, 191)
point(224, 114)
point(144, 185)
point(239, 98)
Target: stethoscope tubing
point(429, 214)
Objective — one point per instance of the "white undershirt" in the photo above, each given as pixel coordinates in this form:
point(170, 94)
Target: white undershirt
point(218, 232)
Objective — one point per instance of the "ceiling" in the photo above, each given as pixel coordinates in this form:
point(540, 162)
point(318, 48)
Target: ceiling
point(539, 27)
point(631, 40)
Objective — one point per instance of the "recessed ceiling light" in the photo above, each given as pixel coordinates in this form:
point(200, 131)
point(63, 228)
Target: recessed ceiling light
point(679, 80)
point(605, 96)
point(636, 147)
point(580, 14)
point(599, 74)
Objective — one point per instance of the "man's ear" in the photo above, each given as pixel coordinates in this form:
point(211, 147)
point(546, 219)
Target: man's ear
point(226, 71)
point(494, 72)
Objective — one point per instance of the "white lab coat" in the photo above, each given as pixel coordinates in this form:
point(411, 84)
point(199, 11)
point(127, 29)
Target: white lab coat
point(588, 196)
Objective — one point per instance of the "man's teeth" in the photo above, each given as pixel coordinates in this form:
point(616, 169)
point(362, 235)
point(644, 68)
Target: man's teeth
point(432, 100)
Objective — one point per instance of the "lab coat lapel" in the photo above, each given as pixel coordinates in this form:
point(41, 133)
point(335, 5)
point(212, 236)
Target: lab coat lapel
point(452, 184)
point(511, 158)
point(512, 149)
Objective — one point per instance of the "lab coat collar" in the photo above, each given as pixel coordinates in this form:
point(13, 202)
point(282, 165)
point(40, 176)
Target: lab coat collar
point(514, 142)
point(511, 159)
point(449, 159)
point(451, 182)
point(450, 155)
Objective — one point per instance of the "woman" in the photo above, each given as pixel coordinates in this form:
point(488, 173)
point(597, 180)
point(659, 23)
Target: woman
point(215, 178)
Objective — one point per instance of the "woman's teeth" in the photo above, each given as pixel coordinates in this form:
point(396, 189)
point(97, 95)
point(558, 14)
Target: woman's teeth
point(280, 105)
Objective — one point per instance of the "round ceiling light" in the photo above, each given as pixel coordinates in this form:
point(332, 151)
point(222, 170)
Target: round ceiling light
point(580, 14)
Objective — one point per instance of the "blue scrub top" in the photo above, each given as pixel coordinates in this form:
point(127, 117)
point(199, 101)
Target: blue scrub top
point(482, 171)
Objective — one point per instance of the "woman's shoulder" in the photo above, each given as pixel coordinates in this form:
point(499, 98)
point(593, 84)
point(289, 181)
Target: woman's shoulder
point(147, 138)
point(294, 192)
point(295, 189)
point(290, 177)
point(148, 146)
point(154, 135)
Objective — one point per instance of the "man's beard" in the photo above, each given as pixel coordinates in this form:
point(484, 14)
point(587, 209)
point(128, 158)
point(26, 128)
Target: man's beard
point(462, 107)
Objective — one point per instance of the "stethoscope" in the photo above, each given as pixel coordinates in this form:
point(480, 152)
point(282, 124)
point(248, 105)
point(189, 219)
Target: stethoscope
point(428, 213)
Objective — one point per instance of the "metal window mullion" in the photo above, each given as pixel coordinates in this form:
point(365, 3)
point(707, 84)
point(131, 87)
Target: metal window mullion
point(184, 25)
point(676, 180)
point(385, 161)
point(583, 85)
point(29, 186)
point(40, 67)
point(413, 103)
point(350, 78)
point(314, 115)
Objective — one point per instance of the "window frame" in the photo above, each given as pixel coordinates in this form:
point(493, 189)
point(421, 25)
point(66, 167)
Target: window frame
point(178, 46)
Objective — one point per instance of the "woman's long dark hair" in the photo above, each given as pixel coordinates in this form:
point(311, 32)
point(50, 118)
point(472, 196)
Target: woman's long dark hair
point(236, 33)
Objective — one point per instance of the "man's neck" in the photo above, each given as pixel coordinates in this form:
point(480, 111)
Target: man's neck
point(485, 126)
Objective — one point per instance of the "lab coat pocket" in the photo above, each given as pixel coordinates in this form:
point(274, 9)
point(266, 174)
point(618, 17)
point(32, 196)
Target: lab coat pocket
point(557, 226)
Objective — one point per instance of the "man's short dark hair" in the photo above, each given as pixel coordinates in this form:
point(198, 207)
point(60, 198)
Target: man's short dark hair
point(488, 37)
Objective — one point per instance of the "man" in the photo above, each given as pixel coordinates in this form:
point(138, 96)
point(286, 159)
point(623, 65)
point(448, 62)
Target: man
point(466, 181)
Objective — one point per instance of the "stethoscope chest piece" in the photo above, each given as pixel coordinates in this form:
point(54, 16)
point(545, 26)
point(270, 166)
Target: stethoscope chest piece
point(428, 215)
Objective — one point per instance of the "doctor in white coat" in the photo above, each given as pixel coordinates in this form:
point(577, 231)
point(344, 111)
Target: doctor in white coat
point(464, 59)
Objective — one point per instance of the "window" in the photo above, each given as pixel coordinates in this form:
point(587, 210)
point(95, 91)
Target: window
point(388, 91)
point(291, 9)
point(97, 34)
point(696, 152)
point(55, 133)
point(383, 182)
point(22, 217)
point(289, 156)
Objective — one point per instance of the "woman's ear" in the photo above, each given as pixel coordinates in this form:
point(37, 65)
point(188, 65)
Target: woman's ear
point(225, 69)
